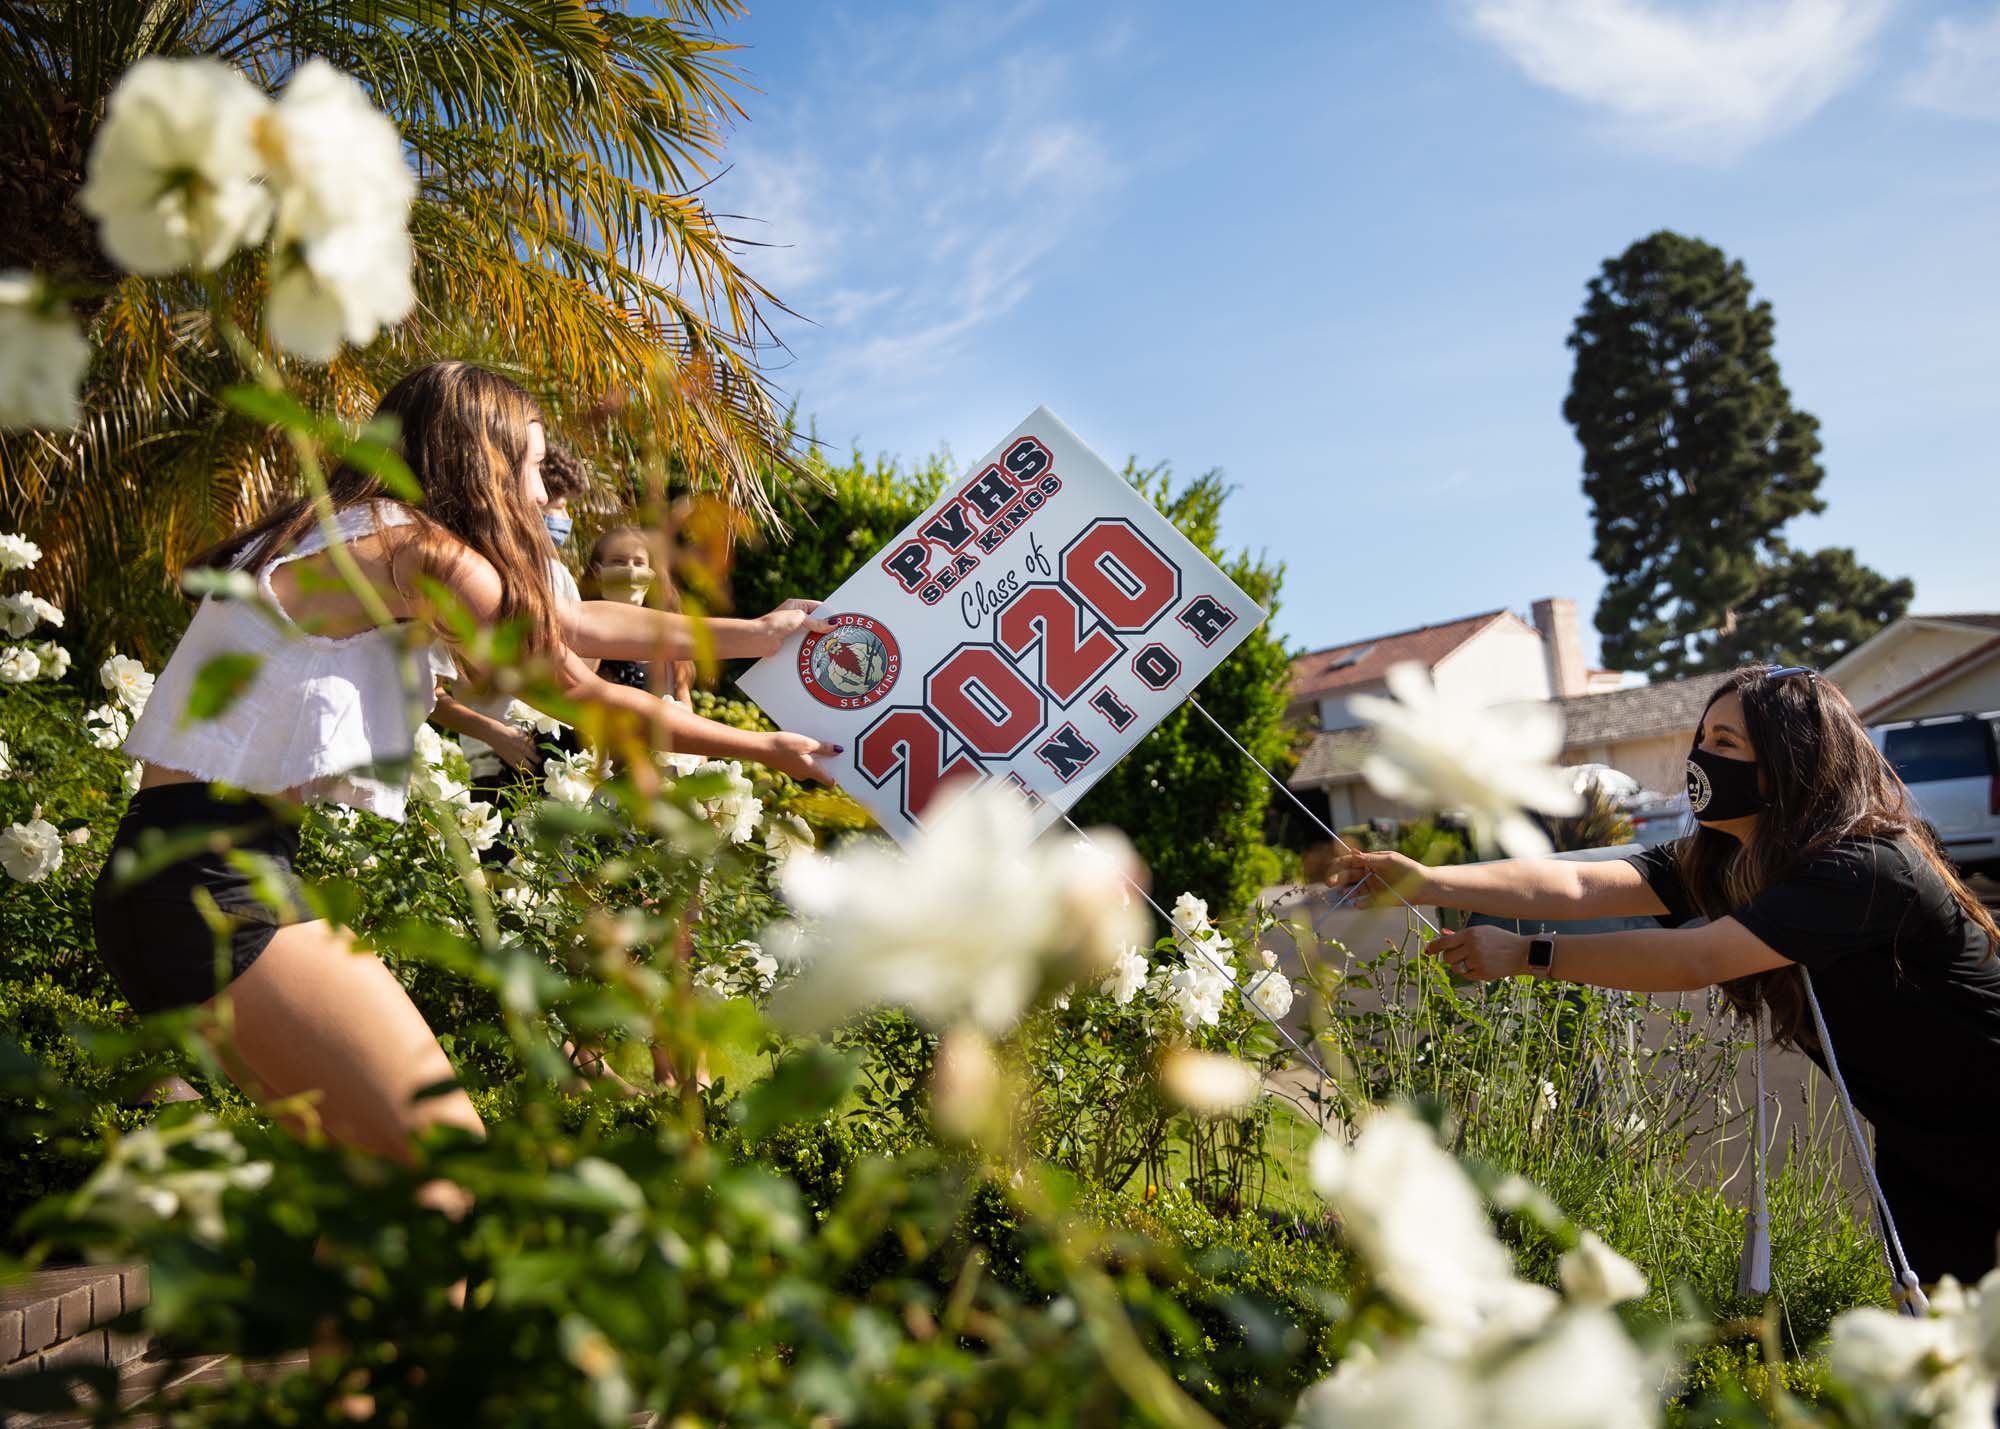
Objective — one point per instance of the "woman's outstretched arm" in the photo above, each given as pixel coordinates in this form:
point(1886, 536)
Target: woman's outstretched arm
point(475, 585)
point(617, 630)
point(1555, 889)
point(1637, 959)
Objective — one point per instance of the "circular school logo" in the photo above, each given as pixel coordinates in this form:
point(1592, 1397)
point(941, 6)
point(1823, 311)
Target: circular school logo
point(851, 666)
point(1700, 791)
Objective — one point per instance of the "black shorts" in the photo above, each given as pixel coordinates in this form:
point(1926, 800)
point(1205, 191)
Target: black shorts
point(153, 936)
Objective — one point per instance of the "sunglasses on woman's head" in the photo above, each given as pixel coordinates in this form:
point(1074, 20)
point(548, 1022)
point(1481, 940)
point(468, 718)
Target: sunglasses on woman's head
point(1784, 670)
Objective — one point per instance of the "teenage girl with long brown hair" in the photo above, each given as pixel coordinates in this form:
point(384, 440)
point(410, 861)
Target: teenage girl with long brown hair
point(331, 715)
point(1808, 857)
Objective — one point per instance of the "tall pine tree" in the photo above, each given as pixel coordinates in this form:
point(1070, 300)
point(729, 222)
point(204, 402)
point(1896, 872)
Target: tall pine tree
point(1694, 459)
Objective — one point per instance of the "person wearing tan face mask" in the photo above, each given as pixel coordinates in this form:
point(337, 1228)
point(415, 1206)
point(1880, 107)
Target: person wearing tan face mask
point(621, 568)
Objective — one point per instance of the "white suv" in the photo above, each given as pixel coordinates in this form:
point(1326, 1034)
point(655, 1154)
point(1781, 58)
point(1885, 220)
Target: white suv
point(1952, 765)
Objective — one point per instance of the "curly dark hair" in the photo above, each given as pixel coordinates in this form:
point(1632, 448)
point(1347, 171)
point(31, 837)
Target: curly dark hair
point(564, 473)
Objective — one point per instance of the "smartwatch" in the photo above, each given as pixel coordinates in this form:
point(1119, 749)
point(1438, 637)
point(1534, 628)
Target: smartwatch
point(1541, 954)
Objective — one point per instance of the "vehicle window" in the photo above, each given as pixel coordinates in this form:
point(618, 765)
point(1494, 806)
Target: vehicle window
point(1926, 752)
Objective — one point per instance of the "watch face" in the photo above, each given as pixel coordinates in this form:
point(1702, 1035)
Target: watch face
point(1541, 952)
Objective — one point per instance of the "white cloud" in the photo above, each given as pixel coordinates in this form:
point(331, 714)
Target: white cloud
point(1702, 81)
point(1962, 72)
point(911, 201)
point(790, 239)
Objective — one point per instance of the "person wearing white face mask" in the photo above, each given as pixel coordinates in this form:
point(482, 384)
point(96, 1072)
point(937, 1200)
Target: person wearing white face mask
point(621, 568)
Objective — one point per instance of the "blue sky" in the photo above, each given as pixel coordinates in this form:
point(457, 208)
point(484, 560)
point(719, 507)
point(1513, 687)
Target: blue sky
point(1335, 249)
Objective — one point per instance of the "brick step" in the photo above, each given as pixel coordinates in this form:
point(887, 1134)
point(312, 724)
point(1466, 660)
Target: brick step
point(155, 1374)
point(60, 1318)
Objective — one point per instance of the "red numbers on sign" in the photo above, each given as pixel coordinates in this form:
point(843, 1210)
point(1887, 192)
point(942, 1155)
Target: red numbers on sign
point(1074, 651)
point(909, 740)
point(1112, 579)
point(1120, 574)
point(989, 703)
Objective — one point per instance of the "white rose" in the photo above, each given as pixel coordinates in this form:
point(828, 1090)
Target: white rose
point(1127, 976)
point(1190, 913)
point(54, 658)
point(22, 612)
point(173, 175)
point(43, 358)
point(479, 823)
point(17, 553)
point(570, 779)
point(1273, 993)
point(107, 726)
point(531, 718)
point(32, 851)
point(134, 772)
point(128, 681)
point(18, 665)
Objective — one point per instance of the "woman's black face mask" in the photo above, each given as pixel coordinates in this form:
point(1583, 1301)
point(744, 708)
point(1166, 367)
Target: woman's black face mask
point(1721, 789)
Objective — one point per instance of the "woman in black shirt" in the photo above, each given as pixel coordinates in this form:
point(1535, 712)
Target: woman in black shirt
point(1807, 855)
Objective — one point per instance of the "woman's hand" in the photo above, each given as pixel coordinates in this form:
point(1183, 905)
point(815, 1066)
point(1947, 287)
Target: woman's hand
point(1483, 953)
point(801, 756)
point(516, 749)
point(1374, 875)
point(786, 621)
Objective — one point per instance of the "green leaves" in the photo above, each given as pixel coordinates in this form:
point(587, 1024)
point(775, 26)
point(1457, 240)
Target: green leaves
point(805, 1085)
point(219, 683)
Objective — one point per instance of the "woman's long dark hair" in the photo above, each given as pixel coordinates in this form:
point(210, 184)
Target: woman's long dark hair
point(463, 433)
point(1823, 780)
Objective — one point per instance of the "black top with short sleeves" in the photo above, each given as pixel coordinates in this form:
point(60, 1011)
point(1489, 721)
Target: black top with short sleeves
point(1905, 979)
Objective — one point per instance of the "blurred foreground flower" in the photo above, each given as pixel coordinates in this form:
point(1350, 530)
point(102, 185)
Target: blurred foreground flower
point(175, 171)
point(1584, 1373)
point(147, 1178)
point(1410, 1212)
point(1209, 1083)
point(42, 362)
point(342, 256)
point(1941, 1368)
point(1490, 763)
point(1595, 1274)
point(965, 926)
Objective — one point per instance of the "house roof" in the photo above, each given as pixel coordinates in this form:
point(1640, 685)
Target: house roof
point(1333, 755)
point(1336, 756)
point(1977, 655)
point(1365, 662)
point(1970, 620)
point(1640, 711)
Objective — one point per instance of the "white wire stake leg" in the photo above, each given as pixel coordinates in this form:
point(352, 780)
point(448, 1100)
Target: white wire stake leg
point(1184, 936)
point(1285, 789)
point(1903, 1280)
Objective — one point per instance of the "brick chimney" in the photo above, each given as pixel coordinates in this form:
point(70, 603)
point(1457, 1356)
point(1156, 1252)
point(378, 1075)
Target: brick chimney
point(1562, 647)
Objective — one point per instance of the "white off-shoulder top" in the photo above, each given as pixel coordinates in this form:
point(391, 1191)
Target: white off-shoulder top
point(320, 715)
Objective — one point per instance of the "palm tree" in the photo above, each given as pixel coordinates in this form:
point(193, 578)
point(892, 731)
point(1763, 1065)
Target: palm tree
point(561, 147)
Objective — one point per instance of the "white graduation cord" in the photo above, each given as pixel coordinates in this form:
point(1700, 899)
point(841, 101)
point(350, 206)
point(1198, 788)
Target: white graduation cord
point(1909, 1290)
point(1753, 1271)
point(1216, 963)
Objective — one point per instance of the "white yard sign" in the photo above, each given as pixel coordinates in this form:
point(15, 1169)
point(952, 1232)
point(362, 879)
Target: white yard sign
point(1031, 627)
